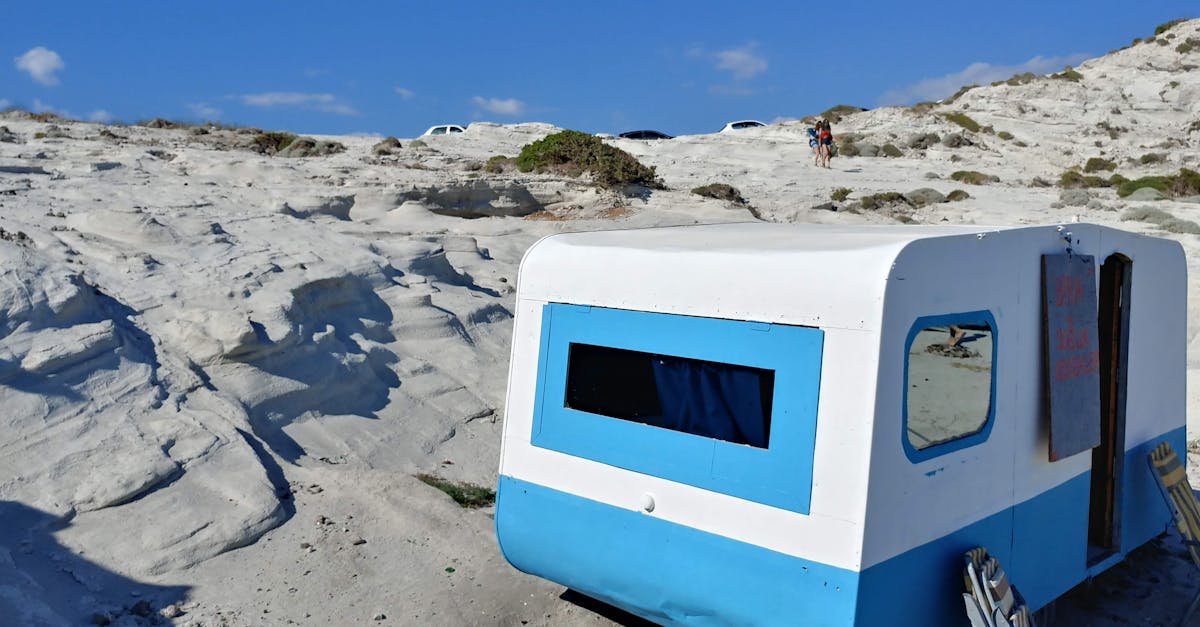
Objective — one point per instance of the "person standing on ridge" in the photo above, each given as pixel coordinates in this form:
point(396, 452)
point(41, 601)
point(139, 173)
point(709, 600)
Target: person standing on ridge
point(813, 143)
point(825, 141)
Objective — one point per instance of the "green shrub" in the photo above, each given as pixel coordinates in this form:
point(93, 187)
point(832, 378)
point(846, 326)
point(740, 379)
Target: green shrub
point(890, 150)
point(720, 191)
point(497, 163)
point(1166, 26)
point(840, 194)
point(271, 142)
point(958, 94)
point(963, 120)
point(1096, 164)
point(835, 113)
point(465, 494)
point(1161, 183)
point(875, 201)
point(1072, 179)
point(1068, 74)
point(1151, 157)
point(1005, 135)
point(573, 151)
point(1020, 144)
point(972, 177)
point(387, 146)
point(1018, 79)
point(1185, 183)
point(1184, 47)
point(957, 195)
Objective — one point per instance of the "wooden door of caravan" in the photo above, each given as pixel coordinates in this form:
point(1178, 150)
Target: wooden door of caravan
point(1104, 517)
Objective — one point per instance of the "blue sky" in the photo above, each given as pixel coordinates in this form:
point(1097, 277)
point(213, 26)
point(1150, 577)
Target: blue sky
point(396, 68)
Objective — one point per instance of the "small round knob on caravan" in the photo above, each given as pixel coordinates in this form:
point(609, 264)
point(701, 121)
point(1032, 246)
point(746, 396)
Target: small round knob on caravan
point(648, 502)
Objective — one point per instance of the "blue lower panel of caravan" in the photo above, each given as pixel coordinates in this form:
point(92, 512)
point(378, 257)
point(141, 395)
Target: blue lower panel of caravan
point(1042, 544)
point(676, 575)
point(664, 572)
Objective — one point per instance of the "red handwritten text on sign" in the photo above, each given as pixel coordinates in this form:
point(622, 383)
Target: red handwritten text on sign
point(1071, 339)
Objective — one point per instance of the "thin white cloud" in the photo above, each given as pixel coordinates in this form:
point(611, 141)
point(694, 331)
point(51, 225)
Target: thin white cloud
point(326, 103)
point(204, 111)
point(978, 73)
point(744, 63)
point(42, 64)
point(405, 94)
point(41, 107)
point(730, 90)
point(510, 106)
point(100, 115)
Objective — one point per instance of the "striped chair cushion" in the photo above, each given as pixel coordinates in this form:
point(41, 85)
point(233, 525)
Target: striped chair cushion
point(1173, 476)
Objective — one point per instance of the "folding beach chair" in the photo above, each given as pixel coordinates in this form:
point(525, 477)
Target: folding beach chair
point(1172, 481)
point(990, 599)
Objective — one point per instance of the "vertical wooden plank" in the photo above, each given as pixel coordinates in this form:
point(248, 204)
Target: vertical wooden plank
point(1073, 353)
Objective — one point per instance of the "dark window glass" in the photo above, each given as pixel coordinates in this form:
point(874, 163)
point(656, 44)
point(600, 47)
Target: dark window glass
point(709, 399)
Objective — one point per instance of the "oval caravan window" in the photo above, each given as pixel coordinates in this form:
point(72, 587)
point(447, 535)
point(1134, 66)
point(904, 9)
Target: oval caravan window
point(949, 384)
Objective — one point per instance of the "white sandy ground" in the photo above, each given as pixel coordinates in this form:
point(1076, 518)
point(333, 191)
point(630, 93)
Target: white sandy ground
point(219, 371)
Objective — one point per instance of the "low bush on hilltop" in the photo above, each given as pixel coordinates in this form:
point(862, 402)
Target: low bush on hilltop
point(1185, 183)
point(840, 194)
point(1096, 164)
point(573, 153)
point(1166, 26)
point(720, 191)
point(497, 164)
point(1072, 179)
point(972, 177)
point(964, 121)
point(271, 142)
point(1068, 74)
point(958, 94)
point(835, 113)
point(875, 201)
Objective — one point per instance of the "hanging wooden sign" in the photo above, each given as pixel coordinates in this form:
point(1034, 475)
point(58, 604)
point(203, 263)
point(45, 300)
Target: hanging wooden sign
point(1072, 353)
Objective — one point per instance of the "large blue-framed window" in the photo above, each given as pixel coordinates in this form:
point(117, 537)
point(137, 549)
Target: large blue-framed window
point(751, 435)
point(949, 383)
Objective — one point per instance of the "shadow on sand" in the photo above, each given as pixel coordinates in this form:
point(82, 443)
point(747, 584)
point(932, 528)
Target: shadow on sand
point(45, 583)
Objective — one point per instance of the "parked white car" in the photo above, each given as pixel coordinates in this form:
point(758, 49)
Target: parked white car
point(741, 124)
point(444, 129)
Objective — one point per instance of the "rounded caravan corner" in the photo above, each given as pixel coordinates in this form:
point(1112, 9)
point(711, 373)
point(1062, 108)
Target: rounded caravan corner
point(528, 256)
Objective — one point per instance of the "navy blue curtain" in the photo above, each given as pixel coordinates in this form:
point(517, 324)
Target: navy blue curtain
point(713, 400)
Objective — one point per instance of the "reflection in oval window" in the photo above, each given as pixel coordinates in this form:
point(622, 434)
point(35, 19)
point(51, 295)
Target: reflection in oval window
point(949, 382)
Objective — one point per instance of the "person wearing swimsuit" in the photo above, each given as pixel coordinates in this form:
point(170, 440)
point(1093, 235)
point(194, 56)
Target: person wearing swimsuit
point(825, 139)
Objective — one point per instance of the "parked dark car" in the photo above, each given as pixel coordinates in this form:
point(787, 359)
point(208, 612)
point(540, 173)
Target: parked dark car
point(645, 135)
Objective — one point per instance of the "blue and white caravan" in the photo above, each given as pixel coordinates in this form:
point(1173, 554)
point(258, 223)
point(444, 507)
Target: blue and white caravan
point(759, 424)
